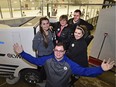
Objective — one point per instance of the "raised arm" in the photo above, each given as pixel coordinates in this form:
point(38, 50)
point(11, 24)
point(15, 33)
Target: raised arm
point(91, 71)
point(18, 49)
point(37, 61)
point(107, 65)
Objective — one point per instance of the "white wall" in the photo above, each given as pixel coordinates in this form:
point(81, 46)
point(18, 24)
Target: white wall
point(106, 24)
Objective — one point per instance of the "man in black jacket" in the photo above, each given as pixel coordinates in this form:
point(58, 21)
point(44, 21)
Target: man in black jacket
point(76, 20)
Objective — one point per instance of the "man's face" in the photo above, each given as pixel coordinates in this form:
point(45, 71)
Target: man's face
point(76, 16)
point(59, 52)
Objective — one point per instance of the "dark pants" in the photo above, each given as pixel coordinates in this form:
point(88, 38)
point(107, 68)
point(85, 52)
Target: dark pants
point(42, 73)
point(74, 78)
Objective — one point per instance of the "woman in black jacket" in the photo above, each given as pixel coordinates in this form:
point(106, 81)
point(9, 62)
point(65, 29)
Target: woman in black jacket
point(77, 50)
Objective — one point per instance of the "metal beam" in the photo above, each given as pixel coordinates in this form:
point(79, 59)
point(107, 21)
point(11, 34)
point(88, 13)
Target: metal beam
point(113, 4)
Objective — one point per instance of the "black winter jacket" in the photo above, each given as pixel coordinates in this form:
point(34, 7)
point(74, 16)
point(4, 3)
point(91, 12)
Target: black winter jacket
point(65, 36)
point(80, 22)
point(77, 52)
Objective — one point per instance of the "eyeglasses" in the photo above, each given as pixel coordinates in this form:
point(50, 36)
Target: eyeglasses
point(60, 51)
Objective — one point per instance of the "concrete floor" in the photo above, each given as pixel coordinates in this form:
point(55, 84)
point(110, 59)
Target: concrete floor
point(107, 79)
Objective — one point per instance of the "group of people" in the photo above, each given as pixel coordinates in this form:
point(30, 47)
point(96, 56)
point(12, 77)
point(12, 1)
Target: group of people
point(61, 48)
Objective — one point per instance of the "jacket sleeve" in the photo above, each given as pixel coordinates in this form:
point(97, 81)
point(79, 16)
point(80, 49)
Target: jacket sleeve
point(68, 36)
point(36, 41)
point(89, 71)
point(34, 60)
point(54, 25)
point(88, 25)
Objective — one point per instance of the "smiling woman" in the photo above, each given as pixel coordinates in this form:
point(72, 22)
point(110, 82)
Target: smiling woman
point(77, 50)
point(43, 42)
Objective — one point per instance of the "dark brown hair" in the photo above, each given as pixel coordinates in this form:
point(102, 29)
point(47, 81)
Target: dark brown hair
point(45, 37)
point(60, 44)
point(77, 10)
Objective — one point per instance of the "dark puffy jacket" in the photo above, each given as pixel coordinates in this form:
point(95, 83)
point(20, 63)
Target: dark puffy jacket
point(80, 22)
point(65, 34)
point(77, 52)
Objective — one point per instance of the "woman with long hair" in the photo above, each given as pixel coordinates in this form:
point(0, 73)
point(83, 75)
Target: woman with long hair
point(43, 42)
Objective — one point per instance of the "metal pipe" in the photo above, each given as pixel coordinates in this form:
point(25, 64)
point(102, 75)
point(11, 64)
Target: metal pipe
point(105, 35)
point(10, 8)
point(42, 7)
point(21, 8)
point(68, 9)
point(1, 13)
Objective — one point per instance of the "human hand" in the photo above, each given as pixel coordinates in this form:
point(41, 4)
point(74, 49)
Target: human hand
point(50, 27)
point(56, 41)
point(66, 25)
point(18, 49)
point(107, 65)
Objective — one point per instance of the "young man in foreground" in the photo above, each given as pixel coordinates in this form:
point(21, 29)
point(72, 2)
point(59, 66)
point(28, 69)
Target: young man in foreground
point(59, 67)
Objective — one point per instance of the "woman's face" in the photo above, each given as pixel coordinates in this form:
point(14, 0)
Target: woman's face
point(63, 22)
point(45, 25)
point(78, 34)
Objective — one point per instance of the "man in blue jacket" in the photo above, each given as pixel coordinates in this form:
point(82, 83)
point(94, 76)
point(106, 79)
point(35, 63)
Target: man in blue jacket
point(59, 67)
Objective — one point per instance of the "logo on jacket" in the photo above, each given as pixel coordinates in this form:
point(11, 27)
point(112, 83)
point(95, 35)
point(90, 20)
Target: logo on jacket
point(73, 45)
point(65, 68)
point(58, 29)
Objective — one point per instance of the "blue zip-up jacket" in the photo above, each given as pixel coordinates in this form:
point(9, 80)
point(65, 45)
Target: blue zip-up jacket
point(59, 72)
